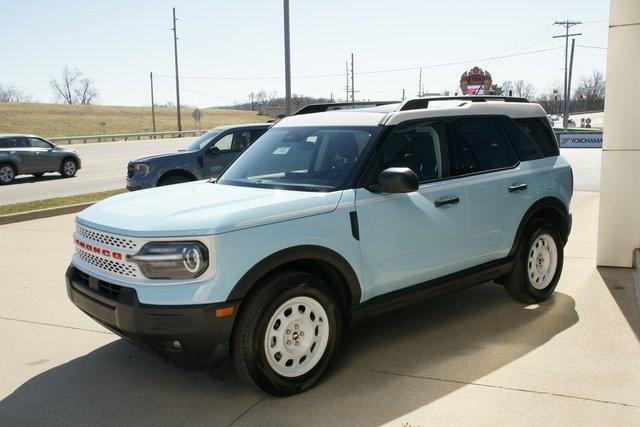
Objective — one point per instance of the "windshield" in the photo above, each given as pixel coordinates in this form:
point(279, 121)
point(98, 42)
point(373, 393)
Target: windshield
point(301, 158)
point(200, 143)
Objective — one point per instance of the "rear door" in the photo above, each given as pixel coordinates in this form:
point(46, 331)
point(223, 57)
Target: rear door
point(408, 239)
point(20, 148)
point(499, 189)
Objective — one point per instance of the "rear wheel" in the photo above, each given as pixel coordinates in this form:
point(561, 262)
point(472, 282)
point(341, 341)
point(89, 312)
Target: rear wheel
point(287, 334)
point(7, 174)
point(537, 264)
point(68, 168)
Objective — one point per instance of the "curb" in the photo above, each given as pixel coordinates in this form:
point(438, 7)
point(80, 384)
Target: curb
point(43, 213)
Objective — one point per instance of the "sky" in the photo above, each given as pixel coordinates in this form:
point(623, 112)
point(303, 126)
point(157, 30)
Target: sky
point(228, 49)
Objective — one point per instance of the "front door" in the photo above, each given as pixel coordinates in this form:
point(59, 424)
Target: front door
point(222, 152)
point(408, 239)
point(45, 158)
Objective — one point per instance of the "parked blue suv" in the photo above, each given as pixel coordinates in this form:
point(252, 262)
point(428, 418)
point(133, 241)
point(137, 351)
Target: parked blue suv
point(330, 218)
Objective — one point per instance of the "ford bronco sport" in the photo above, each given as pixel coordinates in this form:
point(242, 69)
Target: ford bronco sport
point(330, 218)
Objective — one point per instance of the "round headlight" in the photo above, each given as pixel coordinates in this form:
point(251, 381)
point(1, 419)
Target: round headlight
point(172, 260)
point(192, 259)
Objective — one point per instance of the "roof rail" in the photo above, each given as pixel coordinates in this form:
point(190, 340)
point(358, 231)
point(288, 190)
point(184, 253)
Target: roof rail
point(321, 108)
point(419, 103)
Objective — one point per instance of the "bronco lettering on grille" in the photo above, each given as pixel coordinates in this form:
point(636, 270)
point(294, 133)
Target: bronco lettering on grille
point(98, 250)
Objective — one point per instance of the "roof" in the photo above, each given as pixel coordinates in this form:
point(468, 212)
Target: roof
point(14, 135)
point(391, 114)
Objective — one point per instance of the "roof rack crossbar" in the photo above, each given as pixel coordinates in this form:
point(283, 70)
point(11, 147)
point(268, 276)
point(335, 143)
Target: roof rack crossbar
point(420, 103)
point(321, 108)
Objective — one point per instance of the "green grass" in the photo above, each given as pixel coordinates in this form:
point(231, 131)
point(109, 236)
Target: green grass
point(56, 202)
point(51, 120)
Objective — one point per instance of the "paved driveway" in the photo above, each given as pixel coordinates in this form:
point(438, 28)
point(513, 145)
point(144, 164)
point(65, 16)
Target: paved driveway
point(475, 357)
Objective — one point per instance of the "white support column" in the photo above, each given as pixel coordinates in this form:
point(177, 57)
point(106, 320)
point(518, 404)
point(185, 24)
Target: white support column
point(619, 222)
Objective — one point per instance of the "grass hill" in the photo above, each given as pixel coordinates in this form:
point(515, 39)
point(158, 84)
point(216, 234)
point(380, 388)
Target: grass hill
point(50, 120)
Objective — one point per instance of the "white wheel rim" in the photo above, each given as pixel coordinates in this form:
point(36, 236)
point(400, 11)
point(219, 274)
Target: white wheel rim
point(6, 174)
point(542, 261)
point(296, 336)
point(69, 168)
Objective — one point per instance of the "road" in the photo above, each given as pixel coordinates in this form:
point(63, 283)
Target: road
point(471, 358)
point(104, 168)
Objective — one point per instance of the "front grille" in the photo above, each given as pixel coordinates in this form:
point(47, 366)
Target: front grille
point(129, 171)
point(111, 266)
point(107, 239)
point(105, 289)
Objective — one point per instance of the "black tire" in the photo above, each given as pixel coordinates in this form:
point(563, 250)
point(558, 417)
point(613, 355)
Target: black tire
point(7, 173)
point(68, 168)
point(249, 343)
point(38, 175)
point(523, 284)
point(174, 179)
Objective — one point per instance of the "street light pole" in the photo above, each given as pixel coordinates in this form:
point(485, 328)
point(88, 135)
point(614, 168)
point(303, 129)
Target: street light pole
point(287, 59)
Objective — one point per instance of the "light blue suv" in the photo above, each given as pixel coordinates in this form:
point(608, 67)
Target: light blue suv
point(330, 218)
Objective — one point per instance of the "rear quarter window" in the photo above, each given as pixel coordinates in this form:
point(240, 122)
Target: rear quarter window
point(538, 131)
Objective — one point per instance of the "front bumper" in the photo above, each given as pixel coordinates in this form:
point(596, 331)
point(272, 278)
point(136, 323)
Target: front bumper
point(203, 337)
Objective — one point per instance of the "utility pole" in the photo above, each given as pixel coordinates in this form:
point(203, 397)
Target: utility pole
point(568, 101)
point(566, 35)
point(175, 52)
point(403, 94)
point(153, 104)
point(347, 86)
point(420, 83)
point(353, 91)
point(287, 60)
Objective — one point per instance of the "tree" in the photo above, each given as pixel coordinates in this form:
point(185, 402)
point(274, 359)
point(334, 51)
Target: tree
point(590, 93)
point(522, 89)
point(72, 88)
point(11, 94)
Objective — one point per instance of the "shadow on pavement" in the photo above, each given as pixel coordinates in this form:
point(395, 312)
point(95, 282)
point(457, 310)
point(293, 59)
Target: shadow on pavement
point(28, 179)
point(624, 287)
point(461, 337)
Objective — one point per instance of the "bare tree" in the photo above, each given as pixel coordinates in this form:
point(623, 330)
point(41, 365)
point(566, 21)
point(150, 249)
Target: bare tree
point(523, 89)
point(11, 94)
point(590, 93)
point(72, 88)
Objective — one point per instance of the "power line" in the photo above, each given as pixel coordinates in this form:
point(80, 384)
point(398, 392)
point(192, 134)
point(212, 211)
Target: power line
point(592, 47)
point(383, 71)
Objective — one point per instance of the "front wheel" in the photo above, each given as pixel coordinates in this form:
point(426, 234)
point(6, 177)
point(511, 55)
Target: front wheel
point(68, 168)
point(287, 334)
point(537, 264)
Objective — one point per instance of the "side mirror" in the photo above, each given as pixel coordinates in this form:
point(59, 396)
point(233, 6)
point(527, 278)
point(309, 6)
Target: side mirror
point(213, 150)
point(397, 180)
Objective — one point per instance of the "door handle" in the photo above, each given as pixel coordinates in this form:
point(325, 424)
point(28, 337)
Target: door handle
point(517, 187)
point(451, 200)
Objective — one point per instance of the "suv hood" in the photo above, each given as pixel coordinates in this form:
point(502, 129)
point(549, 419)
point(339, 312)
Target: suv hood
point(202, 208)
point(159, 156)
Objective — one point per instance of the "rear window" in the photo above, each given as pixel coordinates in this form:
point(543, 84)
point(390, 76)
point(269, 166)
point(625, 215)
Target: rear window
point(537, 130)
point(14, 142)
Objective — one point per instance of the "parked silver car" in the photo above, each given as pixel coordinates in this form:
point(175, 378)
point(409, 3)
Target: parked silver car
point(33, 155)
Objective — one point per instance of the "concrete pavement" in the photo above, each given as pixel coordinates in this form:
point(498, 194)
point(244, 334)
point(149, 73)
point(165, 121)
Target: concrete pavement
point(475, 357)
point(104, 167)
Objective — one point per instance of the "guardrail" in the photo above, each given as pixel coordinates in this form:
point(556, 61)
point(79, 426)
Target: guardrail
point(127, 136)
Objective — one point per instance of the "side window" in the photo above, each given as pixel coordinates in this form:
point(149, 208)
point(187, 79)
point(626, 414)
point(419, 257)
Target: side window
point(540, 134)
point(224, 143)
point(257, 133)
point(3, 143)
point(38, 143)
point(423, 147)
point(524, 146)
point(17, 142)
point(483, 145)
point(241, 140)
